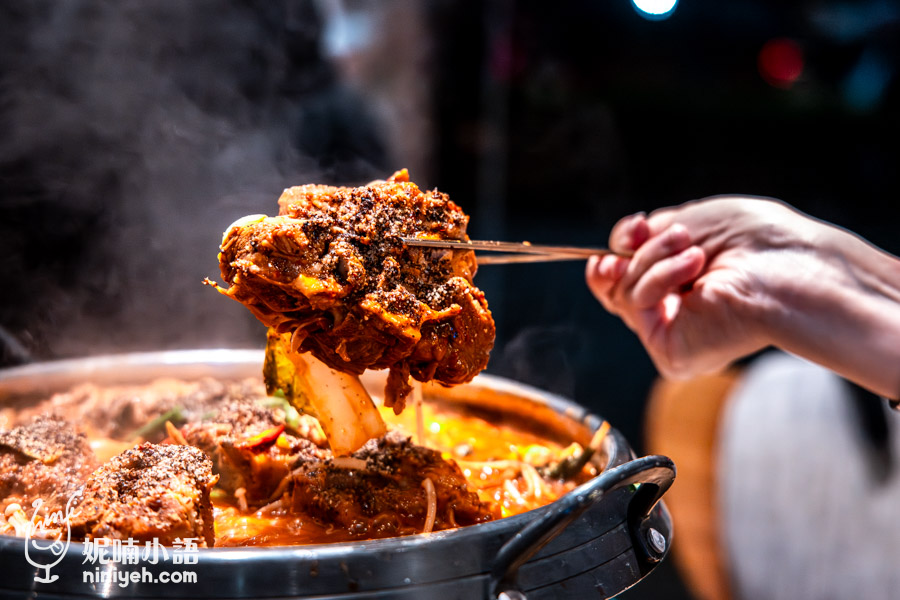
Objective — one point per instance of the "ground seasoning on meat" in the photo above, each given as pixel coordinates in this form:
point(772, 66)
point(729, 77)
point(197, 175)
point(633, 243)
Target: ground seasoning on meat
point(332, 269)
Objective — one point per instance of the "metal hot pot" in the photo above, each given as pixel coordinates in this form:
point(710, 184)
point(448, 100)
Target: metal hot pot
point(595, 541)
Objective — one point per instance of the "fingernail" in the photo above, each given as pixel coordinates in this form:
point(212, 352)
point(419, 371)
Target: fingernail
point(634, 219)
point(691, 253)
point(679, 237)
point(678, 229)
point(634, 241)
point(613, 267)
point(604, 267)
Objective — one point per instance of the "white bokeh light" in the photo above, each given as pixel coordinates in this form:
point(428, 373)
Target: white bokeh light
point(655, 9)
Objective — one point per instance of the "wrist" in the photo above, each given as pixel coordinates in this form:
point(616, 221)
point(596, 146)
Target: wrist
point(840, 307)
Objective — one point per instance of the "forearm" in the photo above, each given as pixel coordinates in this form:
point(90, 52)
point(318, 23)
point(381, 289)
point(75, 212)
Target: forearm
point(845, 314)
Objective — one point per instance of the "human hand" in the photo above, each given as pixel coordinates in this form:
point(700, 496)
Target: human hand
point(703, 279)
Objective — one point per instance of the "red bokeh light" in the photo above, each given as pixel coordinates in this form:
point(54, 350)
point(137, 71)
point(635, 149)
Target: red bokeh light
point(780, 62)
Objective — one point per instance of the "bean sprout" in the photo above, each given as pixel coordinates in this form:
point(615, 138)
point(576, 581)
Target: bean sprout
point(431, 497)
point(240, 495)
point(16, 517)
point(271, 506)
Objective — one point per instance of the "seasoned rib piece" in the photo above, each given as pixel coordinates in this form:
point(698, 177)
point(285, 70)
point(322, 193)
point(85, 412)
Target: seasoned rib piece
point(250, 448)
point(45, 459)
point(382, 491)
point(120, 412)
point(331, 269)
point(151, 491)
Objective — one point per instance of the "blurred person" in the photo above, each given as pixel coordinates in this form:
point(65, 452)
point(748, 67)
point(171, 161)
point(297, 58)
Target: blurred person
point(711, 281)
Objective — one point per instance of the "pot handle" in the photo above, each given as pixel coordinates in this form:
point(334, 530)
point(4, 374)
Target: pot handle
point(659, 471)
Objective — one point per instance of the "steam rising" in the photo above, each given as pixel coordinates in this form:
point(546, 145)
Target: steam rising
point(543, 357)
point(135, 133)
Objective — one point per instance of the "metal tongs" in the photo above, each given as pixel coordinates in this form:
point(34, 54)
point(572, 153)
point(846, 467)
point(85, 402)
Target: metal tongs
point(512, 252)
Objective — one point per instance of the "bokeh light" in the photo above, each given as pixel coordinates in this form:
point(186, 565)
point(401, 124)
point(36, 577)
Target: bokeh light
point(655, 10)
point(780, 62)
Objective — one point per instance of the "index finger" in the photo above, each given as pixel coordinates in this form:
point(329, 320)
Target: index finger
point(632, 231)
point(629, 234)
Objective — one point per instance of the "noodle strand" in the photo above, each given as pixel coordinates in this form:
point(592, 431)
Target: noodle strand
point(420, 417)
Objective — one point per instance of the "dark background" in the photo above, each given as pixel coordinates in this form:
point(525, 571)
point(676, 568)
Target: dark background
point(133, 133)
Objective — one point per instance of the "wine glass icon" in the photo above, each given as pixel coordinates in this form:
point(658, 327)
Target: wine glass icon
point(56, 547)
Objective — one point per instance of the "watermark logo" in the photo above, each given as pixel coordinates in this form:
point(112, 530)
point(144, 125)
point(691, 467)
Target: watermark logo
point(113, 557)
point(105, 551)
point(48, 537)
point(55, 545)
